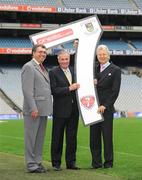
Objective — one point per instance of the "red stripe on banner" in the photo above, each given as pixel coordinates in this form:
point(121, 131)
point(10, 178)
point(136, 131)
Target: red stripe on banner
point(40, 9)
point(30, 25)
point(55, 36)
point(9, 7)
point(15, 51)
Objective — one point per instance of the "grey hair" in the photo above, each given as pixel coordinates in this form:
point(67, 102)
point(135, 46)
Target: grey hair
point(103, 47)
point(36, 46)
point(62, 52)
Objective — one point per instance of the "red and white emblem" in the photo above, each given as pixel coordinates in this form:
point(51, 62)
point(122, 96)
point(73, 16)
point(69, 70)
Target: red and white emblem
point(87, 101)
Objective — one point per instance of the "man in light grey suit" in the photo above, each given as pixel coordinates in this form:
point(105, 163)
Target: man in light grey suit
point(37, 106)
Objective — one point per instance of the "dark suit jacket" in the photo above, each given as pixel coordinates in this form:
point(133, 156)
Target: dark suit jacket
point(108, 85)
point(64, 101)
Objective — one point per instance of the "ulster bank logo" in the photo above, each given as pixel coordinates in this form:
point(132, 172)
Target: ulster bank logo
point(88, 101)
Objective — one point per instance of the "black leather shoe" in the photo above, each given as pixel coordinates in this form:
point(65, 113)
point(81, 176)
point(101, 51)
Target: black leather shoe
point(96, 167)
point(108, 166)
point(73, 167)
point(42, 168)
point(57, 168)
point(38, 170)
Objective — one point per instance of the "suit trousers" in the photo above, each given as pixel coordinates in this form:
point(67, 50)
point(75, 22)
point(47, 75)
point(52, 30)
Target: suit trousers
point(34, 138)
point(99, 131)
point(70, 126)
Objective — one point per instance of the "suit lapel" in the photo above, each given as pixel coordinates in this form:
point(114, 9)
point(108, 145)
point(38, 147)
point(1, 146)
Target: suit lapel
point(45, 74)
point(63, 75)
point(71, 70)
point(105, 73)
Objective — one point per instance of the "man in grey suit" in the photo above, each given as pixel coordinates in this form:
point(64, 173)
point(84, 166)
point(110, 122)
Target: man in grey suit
point(37, 106)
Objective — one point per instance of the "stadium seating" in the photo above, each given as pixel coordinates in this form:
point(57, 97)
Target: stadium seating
point(11, 83)
point(137, 43)
point(110, 4)
point(128, 100)
point(32, 2)
point(68, 45)
point(5, 109)
point(139, 3)
point(113, 44)
point(15, 42)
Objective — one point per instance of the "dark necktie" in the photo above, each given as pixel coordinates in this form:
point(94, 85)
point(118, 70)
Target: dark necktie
point(42, 67)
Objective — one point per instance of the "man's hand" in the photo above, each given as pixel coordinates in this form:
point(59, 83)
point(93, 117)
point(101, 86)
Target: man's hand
point(74, 86)
point(101, 109)
point(95, 81)
point(34, 114)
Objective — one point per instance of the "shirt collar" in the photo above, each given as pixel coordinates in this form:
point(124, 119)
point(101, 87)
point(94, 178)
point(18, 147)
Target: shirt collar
point(65, 69)
point(36, 61)
point(106, 64)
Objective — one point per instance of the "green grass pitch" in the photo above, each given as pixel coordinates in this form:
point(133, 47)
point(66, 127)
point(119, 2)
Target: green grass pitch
point(127, 153)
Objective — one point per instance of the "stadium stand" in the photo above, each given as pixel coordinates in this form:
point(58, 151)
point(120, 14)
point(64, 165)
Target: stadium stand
point(11, 83)
point(32, 2)
point(139, 3)
point(137, 43)
point(128, 101)
point(8, 110)
point(113, 44)
point(109, 4)
point(15, 42)
point(5, 108)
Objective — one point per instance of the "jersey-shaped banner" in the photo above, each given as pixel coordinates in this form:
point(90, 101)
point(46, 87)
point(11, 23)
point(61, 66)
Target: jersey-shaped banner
point(88, 31)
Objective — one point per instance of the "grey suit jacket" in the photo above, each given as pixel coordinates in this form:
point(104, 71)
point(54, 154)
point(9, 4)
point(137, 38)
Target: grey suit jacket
point(36, 90)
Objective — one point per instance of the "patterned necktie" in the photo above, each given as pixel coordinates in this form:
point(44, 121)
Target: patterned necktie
point(68, 76)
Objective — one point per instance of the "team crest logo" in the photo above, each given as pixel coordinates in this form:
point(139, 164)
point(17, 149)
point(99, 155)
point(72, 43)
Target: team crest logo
point(89, 27)
point(87, 101)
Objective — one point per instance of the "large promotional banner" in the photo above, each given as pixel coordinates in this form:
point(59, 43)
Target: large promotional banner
point(88, 31)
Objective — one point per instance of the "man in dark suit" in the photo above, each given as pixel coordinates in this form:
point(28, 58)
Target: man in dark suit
point(65, 113)
point(37, 106)
point(107, 81)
